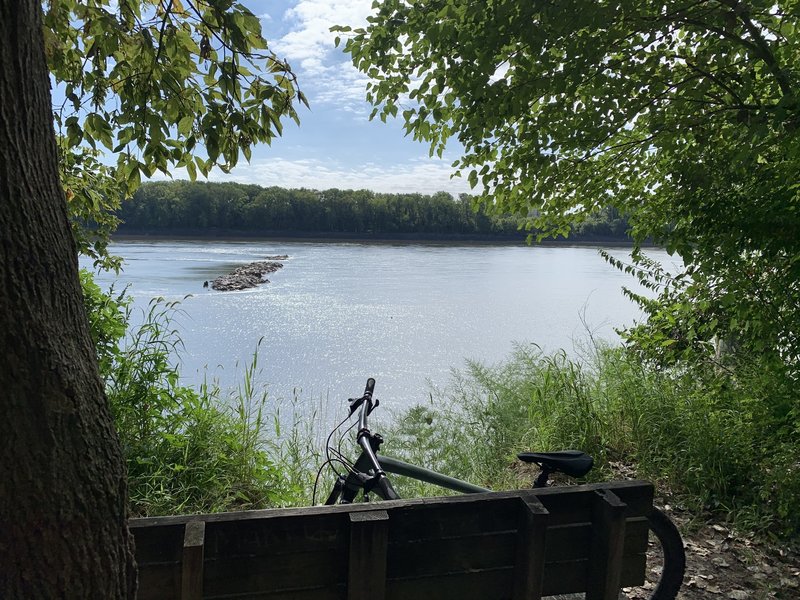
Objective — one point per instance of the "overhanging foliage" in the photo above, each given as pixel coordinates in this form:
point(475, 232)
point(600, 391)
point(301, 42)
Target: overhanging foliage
point(157, 84)
point(682, 114)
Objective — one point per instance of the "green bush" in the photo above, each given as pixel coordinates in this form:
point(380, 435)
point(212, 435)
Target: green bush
point(108, 320)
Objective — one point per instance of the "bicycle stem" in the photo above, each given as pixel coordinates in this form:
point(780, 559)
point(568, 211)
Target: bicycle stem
point(364, 436)
point(365, 441)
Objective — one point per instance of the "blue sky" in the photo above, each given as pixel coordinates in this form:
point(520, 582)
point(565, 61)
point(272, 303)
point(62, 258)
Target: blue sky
point(335, 145)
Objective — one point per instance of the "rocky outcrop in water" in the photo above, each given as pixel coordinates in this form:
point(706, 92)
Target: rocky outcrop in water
point(248, 276)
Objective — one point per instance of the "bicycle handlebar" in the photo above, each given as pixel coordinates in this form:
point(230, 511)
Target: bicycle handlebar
point(370, 387)
point(355, 403)
point(364, 434)
point(368, 461)
point(366, 405)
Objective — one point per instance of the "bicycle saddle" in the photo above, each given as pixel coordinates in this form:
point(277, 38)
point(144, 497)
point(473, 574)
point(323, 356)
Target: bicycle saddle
point(571, 462)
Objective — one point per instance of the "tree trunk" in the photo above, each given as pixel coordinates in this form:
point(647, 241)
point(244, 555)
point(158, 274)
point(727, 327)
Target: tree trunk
point(63, 495)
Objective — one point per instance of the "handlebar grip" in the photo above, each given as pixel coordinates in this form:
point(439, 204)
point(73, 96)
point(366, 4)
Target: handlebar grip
point(369, 388)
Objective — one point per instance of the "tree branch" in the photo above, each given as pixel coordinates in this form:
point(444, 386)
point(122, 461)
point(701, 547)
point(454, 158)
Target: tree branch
point(761, 46)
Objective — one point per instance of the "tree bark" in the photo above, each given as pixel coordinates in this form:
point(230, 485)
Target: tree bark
point(63, 495)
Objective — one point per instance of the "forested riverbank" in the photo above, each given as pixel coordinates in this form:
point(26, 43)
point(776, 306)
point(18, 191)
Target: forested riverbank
point(240, 210)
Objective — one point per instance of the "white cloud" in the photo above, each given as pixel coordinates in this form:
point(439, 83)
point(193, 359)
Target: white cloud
point(423, 175)
point(311, 37)
point(319, 158)
point(326, 75)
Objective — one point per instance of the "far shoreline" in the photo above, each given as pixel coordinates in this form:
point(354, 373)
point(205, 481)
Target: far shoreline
point(402, 239)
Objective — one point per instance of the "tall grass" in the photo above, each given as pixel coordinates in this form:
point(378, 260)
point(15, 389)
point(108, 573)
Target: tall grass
point(713, 441)
point(187, 450)
point(193, 450)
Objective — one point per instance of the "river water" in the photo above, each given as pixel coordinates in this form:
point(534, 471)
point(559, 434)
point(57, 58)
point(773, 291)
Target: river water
point(407, 314)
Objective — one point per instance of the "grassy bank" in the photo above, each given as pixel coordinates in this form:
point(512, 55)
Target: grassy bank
point(194, 450)
point(717, 443)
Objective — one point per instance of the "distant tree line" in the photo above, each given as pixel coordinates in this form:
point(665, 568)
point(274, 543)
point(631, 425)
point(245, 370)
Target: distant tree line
point(196, 207)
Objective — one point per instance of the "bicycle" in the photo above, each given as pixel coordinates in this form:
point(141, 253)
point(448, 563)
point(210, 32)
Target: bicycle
point(368, 475)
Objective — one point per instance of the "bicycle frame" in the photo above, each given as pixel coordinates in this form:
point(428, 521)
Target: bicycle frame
point(399, 467)
point(368, 473)
point(347, 488)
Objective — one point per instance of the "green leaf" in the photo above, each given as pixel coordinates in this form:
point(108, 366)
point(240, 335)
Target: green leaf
point(185, 125)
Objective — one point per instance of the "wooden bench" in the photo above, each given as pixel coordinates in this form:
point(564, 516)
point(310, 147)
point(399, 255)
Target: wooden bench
point(523, 544)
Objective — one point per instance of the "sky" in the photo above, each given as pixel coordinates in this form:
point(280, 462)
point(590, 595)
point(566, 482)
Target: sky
point(335, 144)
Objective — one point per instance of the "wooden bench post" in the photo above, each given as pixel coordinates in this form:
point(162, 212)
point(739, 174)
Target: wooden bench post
point(369, 541)
point(529, 567)
point(608, 540)
point(192, 562)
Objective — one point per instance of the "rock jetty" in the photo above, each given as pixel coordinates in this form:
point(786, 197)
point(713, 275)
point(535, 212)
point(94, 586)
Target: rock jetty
point(249, 276)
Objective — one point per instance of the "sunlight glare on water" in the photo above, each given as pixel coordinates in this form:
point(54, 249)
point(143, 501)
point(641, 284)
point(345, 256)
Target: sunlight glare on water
point(338, 313)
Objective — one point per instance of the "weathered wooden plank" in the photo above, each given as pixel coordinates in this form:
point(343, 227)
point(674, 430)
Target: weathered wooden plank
point(575, 506)
point(605, 564)
point(443, 520)
point(310, 593)
point(529, 566)
point(572, 577)
point(637, 498)
point(277, 536)
point(573, 542)
point(241, 573)
point(159, 544)
point(637, 530)
point(491, 584)
point(159, 582)
point(415, 559)
point(369, 540)
point(280, 573)
point(621, 488)
point(423, 558)
point(159, 551)
point(271, 565)
point(192, 563)
point(312, 511)
point(568, 542)
point(455, 547)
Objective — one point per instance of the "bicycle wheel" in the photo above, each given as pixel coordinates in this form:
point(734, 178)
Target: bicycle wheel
point(673, 556)
point(665, 554)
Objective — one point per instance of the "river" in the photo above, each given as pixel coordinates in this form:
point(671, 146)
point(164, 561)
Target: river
point(405, 314)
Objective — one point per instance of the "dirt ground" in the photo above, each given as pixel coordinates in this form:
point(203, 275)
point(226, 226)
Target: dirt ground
point(721, 564)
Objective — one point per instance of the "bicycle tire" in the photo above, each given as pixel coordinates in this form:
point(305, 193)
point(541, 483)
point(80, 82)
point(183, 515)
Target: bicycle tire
point(674, 556)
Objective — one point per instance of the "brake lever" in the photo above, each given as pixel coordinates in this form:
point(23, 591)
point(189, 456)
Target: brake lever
point(354, 404)
point(375, 405)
